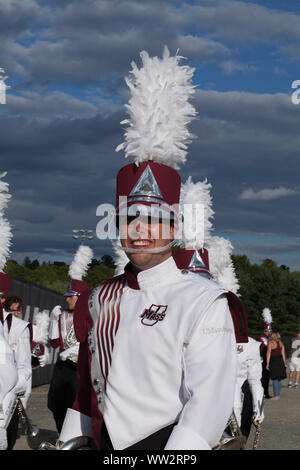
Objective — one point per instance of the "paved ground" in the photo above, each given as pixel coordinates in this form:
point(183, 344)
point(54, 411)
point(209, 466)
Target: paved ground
point(279, 431)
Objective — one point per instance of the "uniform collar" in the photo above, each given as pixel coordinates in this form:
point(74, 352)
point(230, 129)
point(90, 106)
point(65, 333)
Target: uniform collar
point(154, 275)
point(5, 315)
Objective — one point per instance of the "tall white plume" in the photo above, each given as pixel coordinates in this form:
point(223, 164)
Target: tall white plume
point(79, 265)
point(196, 225)
point(159, 110)
point(267, 316)
point(41, 323)
point(220, 263)
point(5, 228)
point(120, 258)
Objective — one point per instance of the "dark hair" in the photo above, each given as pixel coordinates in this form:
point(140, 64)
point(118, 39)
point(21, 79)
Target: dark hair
point(12, 300)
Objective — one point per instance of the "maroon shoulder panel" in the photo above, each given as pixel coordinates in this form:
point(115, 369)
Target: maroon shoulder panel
point(239, 317)
point(82, 319)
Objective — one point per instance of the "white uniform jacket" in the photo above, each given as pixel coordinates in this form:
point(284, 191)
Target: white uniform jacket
point(154, 350)
point(8, 379)
point(17, 334)
point(61, 322)
point(249, 368)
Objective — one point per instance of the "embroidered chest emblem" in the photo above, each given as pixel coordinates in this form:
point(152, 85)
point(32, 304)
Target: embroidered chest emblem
point(153, 314)
point(240, 349)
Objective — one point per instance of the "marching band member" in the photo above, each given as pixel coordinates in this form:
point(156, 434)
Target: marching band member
point(64, 382)
point(14, 329)
point(157, 357)
point(249, 394)
point(17, 335)
point(8, 399)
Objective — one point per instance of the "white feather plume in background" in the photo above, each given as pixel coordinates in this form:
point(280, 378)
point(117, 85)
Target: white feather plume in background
point(267, 316)
point(159, 110)
point(120, 258)
point(195, 232)
point(5, 228)
point(79, 265)
point(220, 263)
point(41, 323)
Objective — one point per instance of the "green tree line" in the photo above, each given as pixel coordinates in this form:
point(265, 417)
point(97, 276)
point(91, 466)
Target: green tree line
point(271, 286)
point(264, 285)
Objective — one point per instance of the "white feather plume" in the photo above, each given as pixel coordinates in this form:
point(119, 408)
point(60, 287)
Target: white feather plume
point(79, 265)
point(5, 228)
point(220, 263)
point(120, 258)
point(267, 316)
point(41, 323)
point(194, 232)
point(159, 110)
point(4, 194)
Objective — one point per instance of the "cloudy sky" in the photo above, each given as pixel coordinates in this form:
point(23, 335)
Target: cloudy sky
point(66, 62)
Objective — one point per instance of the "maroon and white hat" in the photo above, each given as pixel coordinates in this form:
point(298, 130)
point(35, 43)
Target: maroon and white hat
point(151, 189)
point(5, 283)
point(195, 199)
point(76, 287)
point(78, 269)
point(156, 137)
point(196, 261)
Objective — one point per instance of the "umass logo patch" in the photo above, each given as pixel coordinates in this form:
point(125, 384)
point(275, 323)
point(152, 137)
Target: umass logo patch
point(153, 314)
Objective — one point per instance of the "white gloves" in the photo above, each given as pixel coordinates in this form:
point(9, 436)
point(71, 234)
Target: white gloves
point(3, 439)
point(43, 360)
point(21, 386)
point(258, 417)
point(72, 351)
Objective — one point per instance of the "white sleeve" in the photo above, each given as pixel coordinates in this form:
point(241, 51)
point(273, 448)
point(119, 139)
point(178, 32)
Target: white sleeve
point(254, 373)
point(23, 361)
point(75, 424)
point(209, 372)
point(53, 326)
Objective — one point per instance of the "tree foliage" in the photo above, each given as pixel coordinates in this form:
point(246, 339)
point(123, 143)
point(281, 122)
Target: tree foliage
point(55, 275)
point(268, 285)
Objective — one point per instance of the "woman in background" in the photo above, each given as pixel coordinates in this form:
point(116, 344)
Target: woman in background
point(276, 363)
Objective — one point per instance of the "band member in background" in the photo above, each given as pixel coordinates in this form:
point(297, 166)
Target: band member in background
point(264, 340)
point(8, 398)
point(64, 382)
point(294, 364)
point(248, 407)
point(157, 352)
point(18, 336)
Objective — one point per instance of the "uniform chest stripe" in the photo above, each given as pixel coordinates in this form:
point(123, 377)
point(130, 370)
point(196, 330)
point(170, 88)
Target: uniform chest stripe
point(108, 322)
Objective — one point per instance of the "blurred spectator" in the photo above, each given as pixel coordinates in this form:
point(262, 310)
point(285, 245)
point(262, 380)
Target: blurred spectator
point(276, 363)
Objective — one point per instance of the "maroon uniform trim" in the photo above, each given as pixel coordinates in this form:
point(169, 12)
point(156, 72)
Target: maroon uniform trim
point(239, 317)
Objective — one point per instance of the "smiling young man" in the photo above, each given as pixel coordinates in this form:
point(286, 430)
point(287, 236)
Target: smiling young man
point(157, 358)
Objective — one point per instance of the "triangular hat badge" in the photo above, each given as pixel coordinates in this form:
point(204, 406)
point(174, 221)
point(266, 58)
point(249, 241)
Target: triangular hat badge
point(197, 261)
point(146, 185)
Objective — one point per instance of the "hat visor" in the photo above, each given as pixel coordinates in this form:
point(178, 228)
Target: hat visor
point(150, 210)
point(71, 293)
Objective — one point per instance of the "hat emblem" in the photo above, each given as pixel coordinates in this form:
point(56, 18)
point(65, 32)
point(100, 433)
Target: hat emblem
point(146, 185)
point(197, 261)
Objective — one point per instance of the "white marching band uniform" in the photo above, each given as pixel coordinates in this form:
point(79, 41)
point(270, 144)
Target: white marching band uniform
point(18, 337)
point(249, 368)
point(61, 322)
point(165, 364)
point(8, 381)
